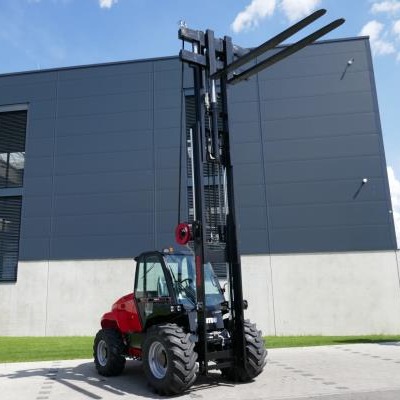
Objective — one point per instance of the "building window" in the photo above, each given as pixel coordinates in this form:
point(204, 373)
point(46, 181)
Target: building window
point(12, 162)
point(10, 219)
point(12, 148)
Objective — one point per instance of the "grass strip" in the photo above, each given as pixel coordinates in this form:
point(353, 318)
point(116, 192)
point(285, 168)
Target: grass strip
point(274, 342)
point(18, 349)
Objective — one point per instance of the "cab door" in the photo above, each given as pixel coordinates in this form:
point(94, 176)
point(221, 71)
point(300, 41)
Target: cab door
point(153, 290)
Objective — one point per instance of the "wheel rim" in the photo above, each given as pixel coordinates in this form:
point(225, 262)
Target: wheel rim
point(158, 360)
point(102, 353)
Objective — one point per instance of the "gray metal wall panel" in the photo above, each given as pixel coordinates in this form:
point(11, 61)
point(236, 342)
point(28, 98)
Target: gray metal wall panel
point(34, 78)
point(319, 148)
point(358, 102)
point(105, 85)
point(247, 153)
point(131, 121)
point(324, 125)
point(98, 163)
point(324, 169)
point(306, 132)
point(38, 91)
point(33, 248)
point(328, 215)
point(105, 224)
point(100, 139)
point(38, 167)
point(38, 186)
point(103, 71)
point(102, 156)
point(37, 227)
point(40, 146)
point(167, 99)
point(99, 246)
point(317, 60)
point(253, 241)
point(165, 118)
point(104, 142)
point(166, 138)
point(40, 128)
point(43, 109)
point(333, 238)
point(36, 206)
point(99, 203)
point(243, 132)
point(315, 85)
point(105, 104)
point(256, 199)
point(326, 192)
point(249, 174)
point(244, 111)
point(104, 183)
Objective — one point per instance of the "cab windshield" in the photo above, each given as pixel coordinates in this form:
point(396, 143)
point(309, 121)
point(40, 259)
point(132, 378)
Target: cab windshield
point(183, 273)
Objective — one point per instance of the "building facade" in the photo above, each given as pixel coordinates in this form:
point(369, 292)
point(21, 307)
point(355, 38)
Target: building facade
point(90, 174)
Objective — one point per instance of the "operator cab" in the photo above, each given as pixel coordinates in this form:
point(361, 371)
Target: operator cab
point(165, 289)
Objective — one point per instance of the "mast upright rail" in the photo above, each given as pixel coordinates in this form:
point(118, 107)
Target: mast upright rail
point(216, 63)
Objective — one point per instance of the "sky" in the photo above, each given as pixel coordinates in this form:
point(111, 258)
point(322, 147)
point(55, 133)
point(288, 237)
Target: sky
point(41, 34)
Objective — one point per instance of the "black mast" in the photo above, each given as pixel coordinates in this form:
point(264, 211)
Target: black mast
point(216, 63)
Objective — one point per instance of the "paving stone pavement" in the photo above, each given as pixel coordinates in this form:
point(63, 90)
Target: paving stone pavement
point(343, 372)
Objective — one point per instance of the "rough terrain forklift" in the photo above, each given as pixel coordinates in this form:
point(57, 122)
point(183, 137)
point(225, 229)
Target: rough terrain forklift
point(177, 320)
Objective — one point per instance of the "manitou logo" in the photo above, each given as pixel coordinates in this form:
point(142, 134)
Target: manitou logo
point(212, 320)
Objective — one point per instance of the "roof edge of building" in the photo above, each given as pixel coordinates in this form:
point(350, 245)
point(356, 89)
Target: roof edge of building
point(151, 59)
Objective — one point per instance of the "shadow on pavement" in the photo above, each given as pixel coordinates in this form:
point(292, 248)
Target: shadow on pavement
point(84, 376)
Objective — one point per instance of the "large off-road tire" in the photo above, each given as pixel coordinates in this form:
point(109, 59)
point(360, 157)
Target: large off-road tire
point(169, 359)
point(108, 349)
point(256, 355)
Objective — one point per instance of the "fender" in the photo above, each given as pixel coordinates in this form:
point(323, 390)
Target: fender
point(123, 316)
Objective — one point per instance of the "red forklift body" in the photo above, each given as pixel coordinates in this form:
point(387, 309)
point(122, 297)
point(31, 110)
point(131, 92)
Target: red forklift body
point(123, 316)
point(178, 320)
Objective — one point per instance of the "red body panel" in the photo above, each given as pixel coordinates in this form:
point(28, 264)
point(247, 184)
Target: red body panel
point(124, 316)
point(135, 352)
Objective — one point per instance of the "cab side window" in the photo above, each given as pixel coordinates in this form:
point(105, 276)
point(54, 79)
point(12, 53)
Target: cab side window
point(151, 281)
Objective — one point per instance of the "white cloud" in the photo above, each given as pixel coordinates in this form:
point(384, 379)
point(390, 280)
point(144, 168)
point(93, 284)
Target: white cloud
point(390, 7)
point(256, 11)
point(394, 185)
point(396, 28)
point(107, 3)
point(380, 46)
point(373, 29)
point(297, 9)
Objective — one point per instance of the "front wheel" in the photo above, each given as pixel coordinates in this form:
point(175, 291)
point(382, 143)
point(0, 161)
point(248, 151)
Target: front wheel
point(108, 351)
point(256, 355)
point(169, 359)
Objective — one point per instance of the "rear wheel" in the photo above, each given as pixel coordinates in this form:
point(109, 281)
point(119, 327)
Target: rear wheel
point(169, 359)
point(256, 355)
point(108, 351)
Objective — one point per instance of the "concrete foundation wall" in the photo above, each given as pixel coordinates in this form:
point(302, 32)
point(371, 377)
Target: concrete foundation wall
point(62, 297)
point(324, 294)
point(327, 294)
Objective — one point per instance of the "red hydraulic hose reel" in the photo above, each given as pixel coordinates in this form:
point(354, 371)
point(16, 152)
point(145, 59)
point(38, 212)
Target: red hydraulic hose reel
point(183, 233)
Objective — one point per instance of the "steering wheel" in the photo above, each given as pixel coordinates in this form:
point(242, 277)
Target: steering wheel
point(187, 281)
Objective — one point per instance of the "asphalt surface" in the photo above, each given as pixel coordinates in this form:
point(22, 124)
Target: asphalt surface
point(343, 372)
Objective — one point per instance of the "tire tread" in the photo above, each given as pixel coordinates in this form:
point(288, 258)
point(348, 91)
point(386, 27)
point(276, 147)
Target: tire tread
point(116, 360)
point(256, 355)
point(183, 367)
